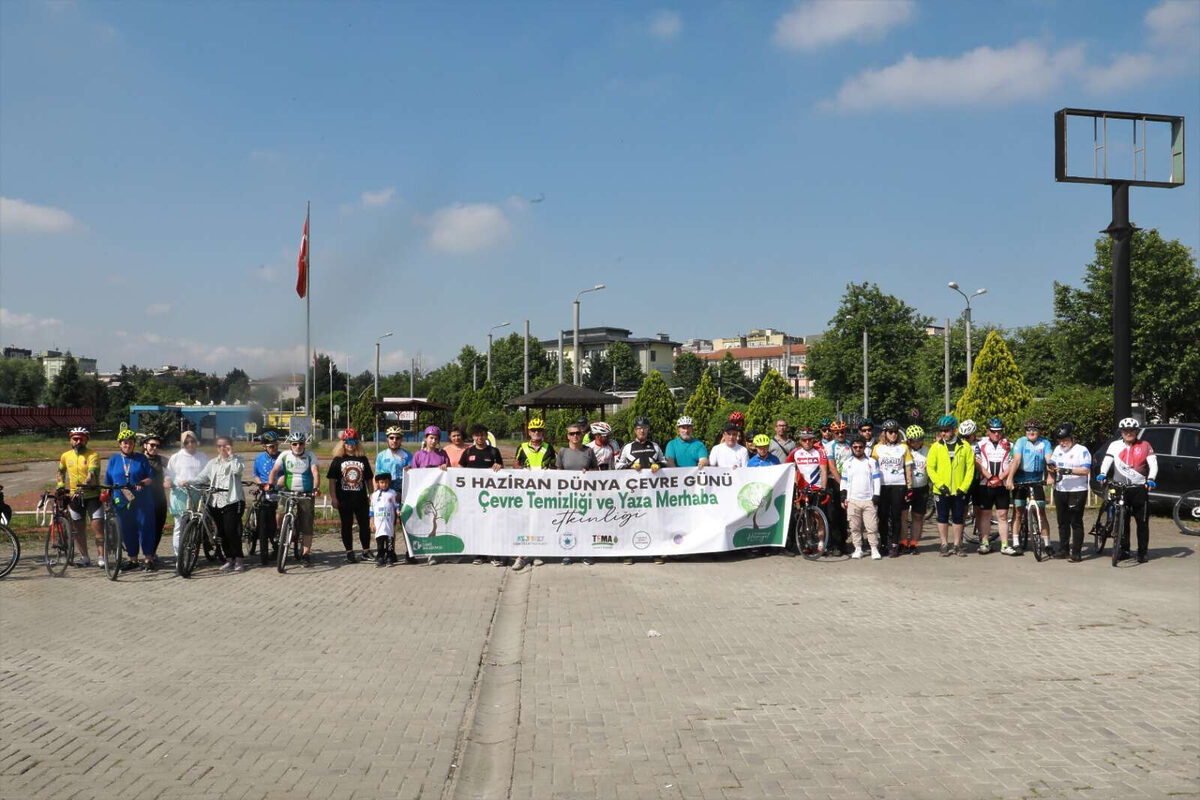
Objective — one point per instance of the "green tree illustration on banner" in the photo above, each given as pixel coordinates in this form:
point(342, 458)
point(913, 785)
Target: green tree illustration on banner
point(754, 498)
point(438, 502)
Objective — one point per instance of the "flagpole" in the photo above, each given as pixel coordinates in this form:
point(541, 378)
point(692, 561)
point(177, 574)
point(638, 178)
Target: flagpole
point(307, 314)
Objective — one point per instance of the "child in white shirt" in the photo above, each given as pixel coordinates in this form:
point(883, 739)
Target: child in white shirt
point(383, 508)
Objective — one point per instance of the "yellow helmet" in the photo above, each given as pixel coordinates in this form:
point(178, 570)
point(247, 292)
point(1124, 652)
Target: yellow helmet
point(125, 434)
point(762, 440)
point(537, 424)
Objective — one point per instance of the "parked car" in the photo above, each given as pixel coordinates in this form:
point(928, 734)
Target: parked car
point(1177, 446)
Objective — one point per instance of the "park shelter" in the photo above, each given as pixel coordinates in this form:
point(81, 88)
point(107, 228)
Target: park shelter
point(565, 395)
point(407, 411)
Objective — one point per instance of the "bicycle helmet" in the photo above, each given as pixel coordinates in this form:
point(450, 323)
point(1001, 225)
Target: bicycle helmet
point(433, 430)
point(125, 434)
point(641, 422)
point(269, 437)
point(738, 418)
point(1033, 425)
point(948, 421)
point(891, 425)
point(536, 424)
point(1065, 431)
point(995, 424)
point(824, 422)
point(1129, 423)
point(762, 440)
point(866, 422)
point(600, 429)
point(80, 432)
point(349, 434)
point(967, 427)
point(685, 420)
point(806, 433)
point(837, 425)
point(395, 430)
point(296, 437)
point(914, 432)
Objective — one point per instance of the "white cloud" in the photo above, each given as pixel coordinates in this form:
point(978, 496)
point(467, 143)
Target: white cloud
point(983, 76)
point(814, 24)
point(158, 309)
point(666, 25)
point(17, 216)
point(379, 198)
point(26, 323)
point(1175, 23)
point(1126, 71)
point(468, 228)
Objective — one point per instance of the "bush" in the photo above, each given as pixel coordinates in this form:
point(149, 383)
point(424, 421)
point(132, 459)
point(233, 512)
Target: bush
point(655, 402)
point(1090, 408)
point(805, 412)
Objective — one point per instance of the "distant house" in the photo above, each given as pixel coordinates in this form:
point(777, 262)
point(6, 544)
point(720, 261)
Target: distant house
point(756, 360)
point(53, 362)
point(657, 353)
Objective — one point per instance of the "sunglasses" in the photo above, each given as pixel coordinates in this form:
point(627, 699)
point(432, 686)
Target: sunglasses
point(297, 444)
point(151, 444)
point(574, 433)
point(856, 447)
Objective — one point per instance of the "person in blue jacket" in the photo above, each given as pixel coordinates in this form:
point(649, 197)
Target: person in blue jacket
point(132, 476)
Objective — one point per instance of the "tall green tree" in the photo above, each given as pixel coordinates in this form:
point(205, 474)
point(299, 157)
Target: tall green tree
point(655, 402)
point(686, 372)
point(66, 390)
point(629, 371)
point(22, 381)
point(996, 388)
point(236, 385)
point(773, 392)
point(1037, 349)
point(703, 404)
point(895, 334)
point(1165, 316)
point(732, 381)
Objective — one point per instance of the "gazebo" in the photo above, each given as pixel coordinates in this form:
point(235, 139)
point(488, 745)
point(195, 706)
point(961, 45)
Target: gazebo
point(415, 405)
point(565, 395)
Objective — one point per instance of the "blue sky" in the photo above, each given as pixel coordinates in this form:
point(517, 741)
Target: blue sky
point(719, 166)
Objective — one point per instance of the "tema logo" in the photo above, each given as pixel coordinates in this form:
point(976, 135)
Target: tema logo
point(604, 541)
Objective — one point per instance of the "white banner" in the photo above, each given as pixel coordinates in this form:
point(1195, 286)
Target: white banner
point(560, 514)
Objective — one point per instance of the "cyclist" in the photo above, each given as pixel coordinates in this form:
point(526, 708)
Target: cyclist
point(456, 446)
point(481, 455)
point(968, 432)
point(763, 457)
point(349, 479)
point(812, 465)
point(395, 459)
point(915, 437)
point(1028, 476)
point(866, 429)
point(536, 453)
point(781, 444)
point(728, 453)
point(642, 453)
point(738, 420)
point(431, 454)
point(300, 472)
point(895, 465)
point(825, 427)
point(1070, 464)
point(602, 445)
point(183, 466)
point(951, 468)
point(151, 445)
point(993, 457)
point(383, 518)
point(226, 507)
point(1135, 465)
point(79, 474)
point(861, 483)
point(837, 450)
point(685, 450)
point(131, 473)
point(268, 525)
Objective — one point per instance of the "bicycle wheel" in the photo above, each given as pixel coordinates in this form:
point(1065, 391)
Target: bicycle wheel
point(816, 527)
point(112, 546)
point(285, 542)
point(189, 548)
point(250, 529)
point(1101, 527)
point(1118, 533)
point(210, 541)
point(58, 546)
point(1187, 512)
point(10, 550)
point(1034, 526)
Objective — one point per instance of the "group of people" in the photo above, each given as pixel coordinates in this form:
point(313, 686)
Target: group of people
point(874, 489)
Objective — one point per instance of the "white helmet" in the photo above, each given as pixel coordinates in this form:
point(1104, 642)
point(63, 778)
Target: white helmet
point(685, 420)
point(296, 436)
point(80, 431)
point(966, 427)
point(1129, 423)
point(601, 429)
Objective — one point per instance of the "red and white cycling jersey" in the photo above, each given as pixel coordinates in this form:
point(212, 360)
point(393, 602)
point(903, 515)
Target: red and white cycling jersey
point(1134, 462)
point(996, 457)
point(808, 464)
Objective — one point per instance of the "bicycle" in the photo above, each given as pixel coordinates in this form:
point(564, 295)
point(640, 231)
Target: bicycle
point(1103, 526)
point(10, 545)
point(810, 523)
point(287, 528)
point(1027, 526)
point(199, 530)
point(1187, 512)
point(60, 539)
point(250, 520)
point(111, 526)
point(1115, 495)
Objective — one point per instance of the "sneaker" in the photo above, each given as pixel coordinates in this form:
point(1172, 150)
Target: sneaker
point(1142, 558)
point(367, 555)
point(658, 560)
point(497, 562)
point(587, 562)
point(894, 550)
point(875, 555)
point(380, 562)
point(858, 553)
point(240, 568)
point(960, 550)
point(566, 561)
point(152, 565)
point(228, 565)
point(984, 548)
point(350, 559)
point(820, 549)
point(913, 549)
point(477, 560)
point(537, 562)
point(306, 560)
point(83, 562)
point(431, 561)
point(946, 549)
point(518, 563)
point(1009, 550)
point(627, 561)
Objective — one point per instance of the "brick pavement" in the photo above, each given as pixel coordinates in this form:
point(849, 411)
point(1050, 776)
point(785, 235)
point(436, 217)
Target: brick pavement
point(923, 677)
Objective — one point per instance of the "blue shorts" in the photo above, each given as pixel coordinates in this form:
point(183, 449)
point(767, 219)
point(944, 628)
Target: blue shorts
point(950, 507)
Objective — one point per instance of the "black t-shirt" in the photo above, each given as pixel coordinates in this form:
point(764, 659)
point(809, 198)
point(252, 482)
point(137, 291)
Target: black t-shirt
point(351, 476)
point(474, 458)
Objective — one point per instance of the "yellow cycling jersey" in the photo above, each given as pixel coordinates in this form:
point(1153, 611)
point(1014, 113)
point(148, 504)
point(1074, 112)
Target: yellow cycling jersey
point(79, 467)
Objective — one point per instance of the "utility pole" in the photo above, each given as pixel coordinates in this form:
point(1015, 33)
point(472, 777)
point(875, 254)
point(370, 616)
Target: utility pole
point(331, 398)
point(946, 368)
point(866, 407)
point(526, 361)
point(560, 356)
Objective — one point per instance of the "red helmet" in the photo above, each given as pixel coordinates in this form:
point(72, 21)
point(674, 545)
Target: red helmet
point(349, 433)
point(738, 418)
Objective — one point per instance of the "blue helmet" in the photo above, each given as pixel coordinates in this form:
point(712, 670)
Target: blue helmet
point(995, 424)
point(948, 421)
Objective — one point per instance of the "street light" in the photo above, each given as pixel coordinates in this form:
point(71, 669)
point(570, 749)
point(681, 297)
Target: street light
point(376, 415)
point(967, 317)
point(575, 342)
point(493, 328)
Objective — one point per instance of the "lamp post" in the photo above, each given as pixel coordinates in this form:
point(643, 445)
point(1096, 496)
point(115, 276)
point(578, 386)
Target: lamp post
point(578, 362)
point(967, 317)
point(493, 328)
point(376, 414)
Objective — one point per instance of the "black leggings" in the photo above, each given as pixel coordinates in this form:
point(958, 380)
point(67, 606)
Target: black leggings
point(891, 508)
point(1137, 511)
point(1068, 508)
point(349, 511)
point(266, 530)
point(229, 528)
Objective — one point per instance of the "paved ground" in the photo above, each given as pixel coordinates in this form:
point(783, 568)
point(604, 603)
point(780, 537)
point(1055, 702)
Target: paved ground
point(983, 677)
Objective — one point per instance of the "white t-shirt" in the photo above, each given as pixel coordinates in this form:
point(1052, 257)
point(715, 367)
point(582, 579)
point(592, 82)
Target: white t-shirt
point(920, 478)
point(383, 511)
point(1076, 456)
point(184, 466)
point(722, 455)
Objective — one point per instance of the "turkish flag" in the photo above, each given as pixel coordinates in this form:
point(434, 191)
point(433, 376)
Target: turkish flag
point(302, 262)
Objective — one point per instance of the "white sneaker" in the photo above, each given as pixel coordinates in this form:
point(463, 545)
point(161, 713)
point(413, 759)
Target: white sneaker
point(1008, 550)
point(875, 554)
point(85, 563)
point(985, 548)
point(858, 553)
point(518, 563)
point(537, 562)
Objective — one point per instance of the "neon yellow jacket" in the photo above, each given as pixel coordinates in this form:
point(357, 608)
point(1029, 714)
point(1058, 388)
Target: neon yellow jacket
point(948, 473)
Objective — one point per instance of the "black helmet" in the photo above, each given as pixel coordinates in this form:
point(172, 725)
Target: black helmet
point(891, 425)
point(641, 422)
point(1065, 431)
